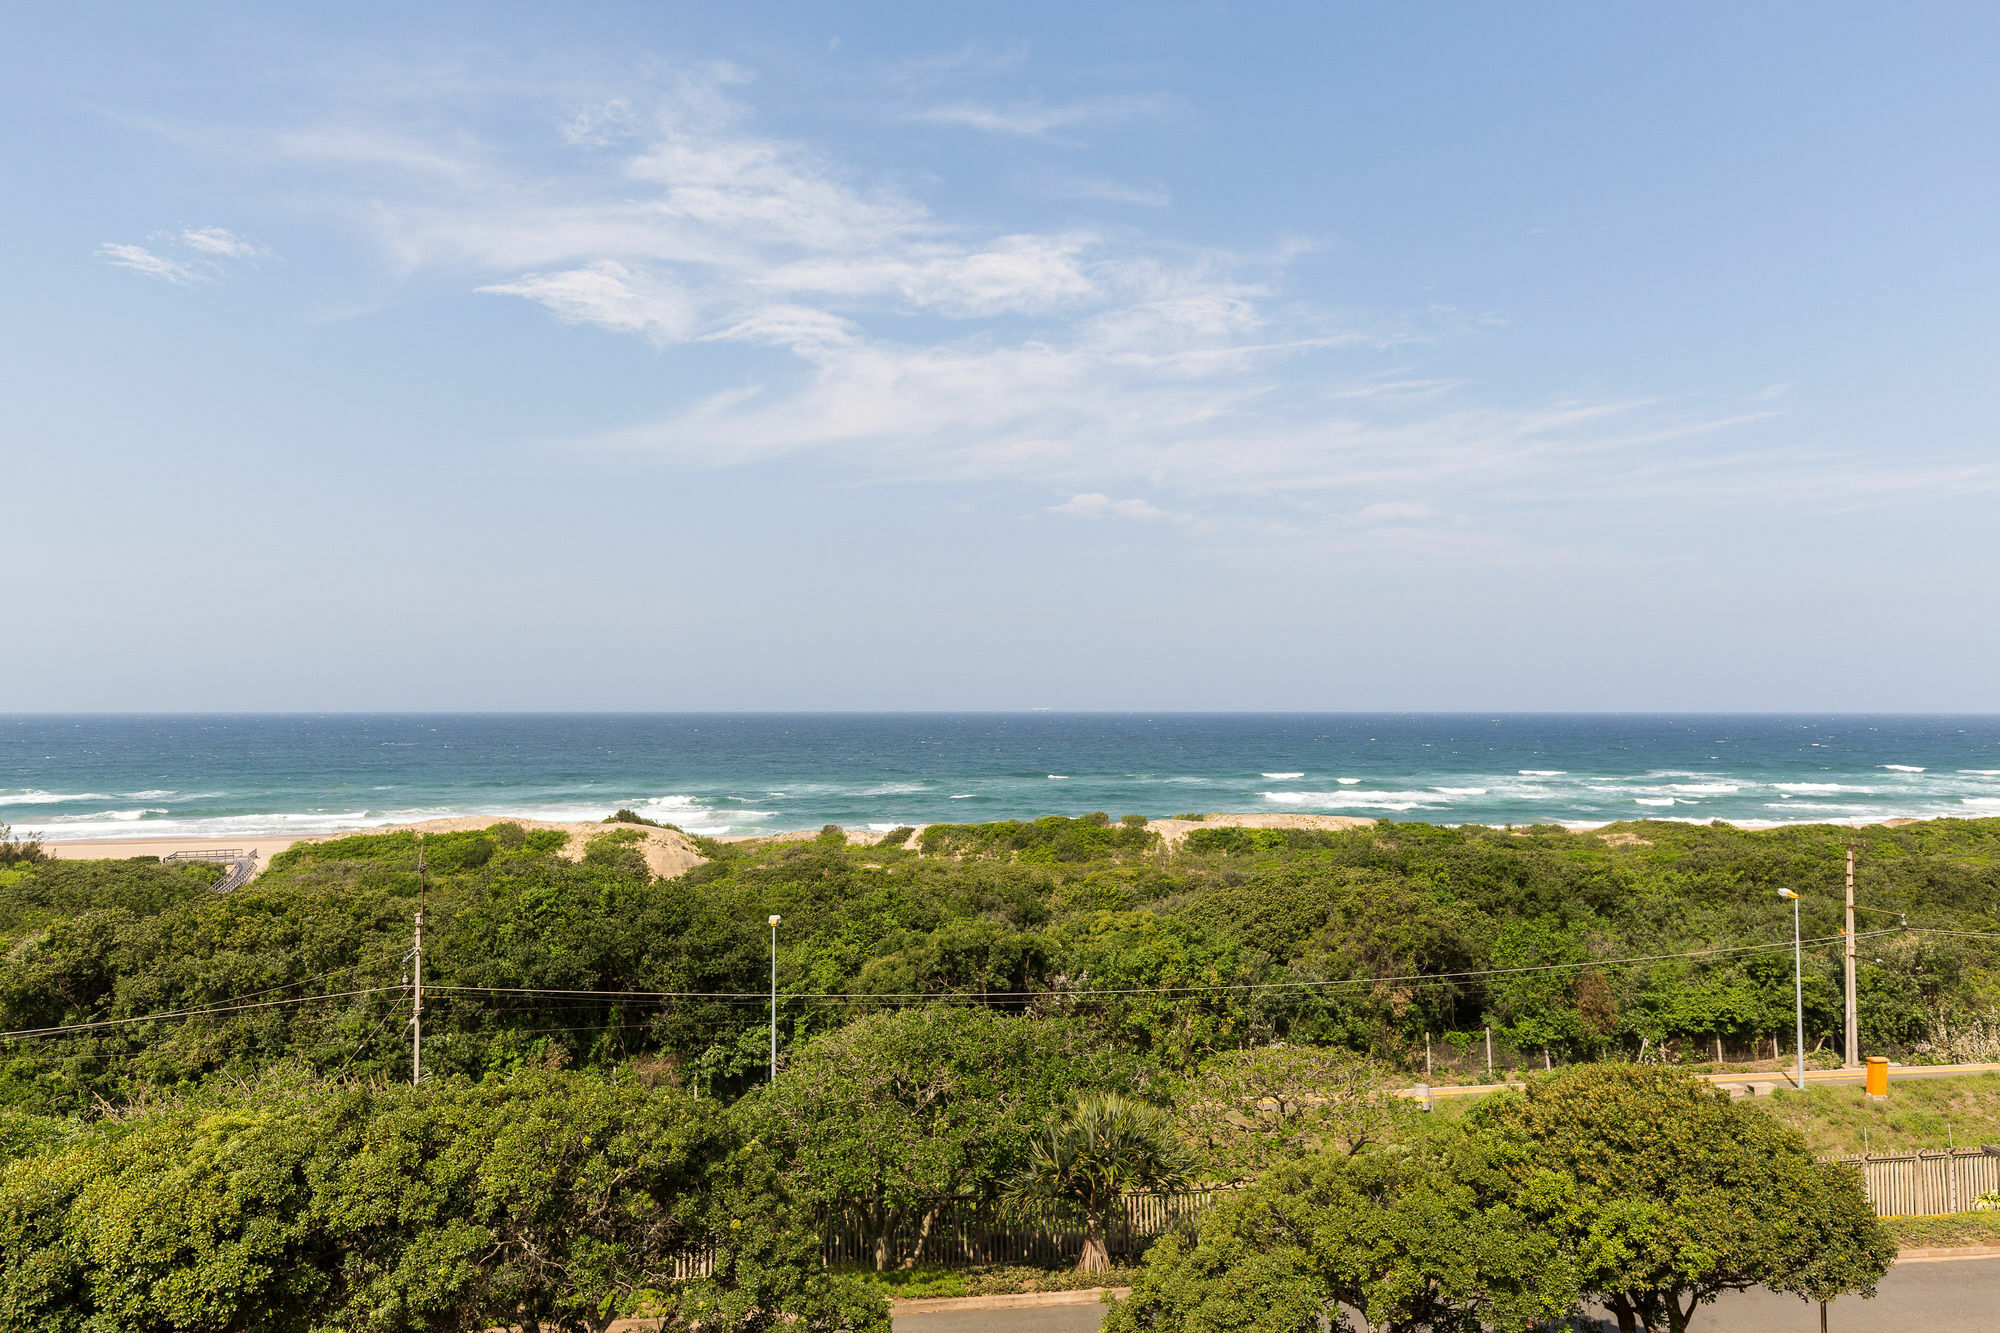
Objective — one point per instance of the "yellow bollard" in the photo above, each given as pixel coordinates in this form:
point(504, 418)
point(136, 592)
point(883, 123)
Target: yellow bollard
point(1878, 1078)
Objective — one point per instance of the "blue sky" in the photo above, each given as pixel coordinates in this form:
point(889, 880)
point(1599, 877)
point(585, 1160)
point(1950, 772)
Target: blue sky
point(1163, 356)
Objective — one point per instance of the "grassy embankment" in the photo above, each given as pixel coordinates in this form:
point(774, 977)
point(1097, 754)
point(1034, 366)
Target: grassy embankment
point(1921, 1115)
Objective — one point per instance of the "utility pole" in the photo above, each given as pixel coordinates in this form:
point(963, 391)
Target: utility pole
point(775, 919)
point(1853, 1023)
point(417, 991)
point(1798, 986)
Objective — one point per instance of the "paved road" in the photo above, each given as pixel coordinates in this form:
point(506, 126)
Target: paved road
point(1769, 1079)
point(1954, 1296)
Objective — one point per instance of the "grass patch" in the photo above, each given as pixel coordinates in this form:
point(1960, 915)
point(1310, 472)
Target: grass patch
point(1940, 1233)
point(911, 1284)
point(1926, 1113)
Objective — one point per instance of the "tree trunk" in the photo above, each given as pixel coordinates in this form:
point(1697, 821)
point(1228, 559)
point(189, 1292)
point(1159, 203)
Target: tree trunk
point(1628, 1322)
point(1096, 1258)
point(916, 1254)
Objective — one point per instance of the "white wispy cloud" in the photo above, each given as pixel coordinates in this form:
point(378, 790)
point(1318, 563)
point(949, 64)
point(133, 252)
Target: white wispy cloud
point(1096, 504)
point(204, 249)
point(610, 295)
point(916, 345)
point(1037, 118)
point(1137, 194)
point(139, 259)
point(220, 243)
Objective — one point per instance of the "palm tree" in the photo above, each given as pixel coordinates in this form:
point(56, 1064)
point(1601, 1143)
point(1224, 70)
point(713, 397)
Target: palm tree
point(1105, 1146)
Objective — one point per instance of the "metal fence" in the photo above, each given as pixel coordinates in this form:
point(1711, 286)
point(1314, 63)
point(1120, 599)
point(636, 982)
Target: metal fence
point(1482, 1054)
point(1927, 1184)
point(955, 1232)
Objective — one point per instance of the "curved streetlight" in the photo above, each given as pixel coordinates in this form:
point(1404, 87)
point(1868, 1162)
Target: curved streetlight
point(1798, 985)
point(775, 919)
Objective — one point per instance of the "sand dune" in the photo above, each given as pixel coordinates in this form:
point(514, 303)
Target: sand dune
point(667, 853)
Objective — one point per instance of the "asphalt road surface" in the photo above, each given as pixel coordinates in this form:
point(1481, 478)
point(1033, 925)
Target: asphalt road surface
point(1949, 1296)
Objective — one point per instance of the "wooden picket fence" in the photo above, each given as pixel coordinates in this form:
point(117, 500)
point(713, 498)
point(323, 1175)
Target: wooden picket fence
point(965, 1232)
point(1927, 1184)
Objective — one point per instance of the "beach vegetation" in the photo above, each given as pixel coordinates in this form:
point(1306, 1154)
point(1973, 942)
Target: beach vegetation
point(944, 1000)
point(624, 816)
point(24, 850)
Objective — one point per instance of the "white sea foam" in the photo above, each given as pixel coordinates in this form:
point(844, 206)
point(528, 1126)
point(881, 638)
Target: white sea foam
point(1816, 788)
point(148, 795)
point(1652, 800)
point(1542, 772)
point(964, 796)
point(1355, 800)
point(1058, 777)
point(896, 789)
point(1703, 788)
point(1981, 802)
point(1283, 777)
point(1348, 782)
point(1982, 772)
point(690, 813)
point(1460, 791)
point(32, 796)
point(1903, 768)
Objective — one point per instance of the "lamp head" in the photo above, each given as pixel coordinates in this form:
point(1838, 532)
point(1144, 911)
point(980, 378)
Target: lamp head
point(1786, 893)
point(775, 918)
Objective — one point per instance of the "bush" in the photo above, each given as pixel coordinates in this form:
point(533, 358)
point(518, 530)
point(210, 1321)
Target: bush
point(624, 816)
point(15, 851)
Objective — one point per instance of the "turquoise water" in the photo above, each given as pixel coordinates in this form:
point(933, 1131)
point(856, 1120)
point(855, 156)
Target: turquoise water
point(217, 776)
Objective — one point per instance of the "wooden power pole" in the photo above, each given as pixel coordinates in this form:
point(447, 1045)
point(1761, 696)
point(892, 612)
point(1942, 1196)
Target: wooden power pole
point(1853, 1023)
point(417, 991)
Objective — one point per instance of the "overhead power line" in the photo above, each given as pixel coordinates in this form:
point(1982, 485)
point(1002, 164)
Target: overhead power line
point(247, 1003)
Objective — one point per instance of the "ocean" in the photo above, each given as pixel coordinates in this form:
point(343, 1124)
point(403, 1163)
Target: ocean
point(211, 776)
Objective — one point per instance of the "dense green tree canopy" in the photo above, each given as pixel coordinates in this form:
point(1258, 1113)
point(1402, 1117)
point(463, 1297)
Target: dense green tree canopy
point(551, 1201)
point(1240, 938)
point(1663, 1193)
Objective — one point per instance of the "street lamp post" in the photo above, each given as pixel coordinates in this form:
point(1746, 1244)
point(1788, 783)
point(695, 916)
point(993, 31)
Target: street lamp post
point(1798, 985)
point(775, 919)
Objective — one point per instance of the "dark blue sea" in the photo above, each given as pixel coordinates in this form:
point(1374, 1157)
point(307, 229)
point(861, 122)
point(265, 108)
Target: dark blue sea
point(215, 776)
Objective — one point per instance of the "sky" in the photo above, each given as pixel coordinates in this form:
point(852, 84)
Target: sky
point(1163, 356)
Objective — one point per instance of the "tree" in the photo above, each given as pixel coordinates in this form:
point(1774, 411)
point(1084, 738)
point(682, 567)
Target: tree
point(896, 1114)
point(1245, 1111)
point(1415, 1235)
point(551, 1202)
point(1664, 1194)
point(1106, 1145)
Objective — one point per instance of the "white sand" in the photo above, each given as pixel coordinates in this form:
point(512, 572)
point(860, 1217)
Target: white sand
point(668, 854)
point(1174, 831)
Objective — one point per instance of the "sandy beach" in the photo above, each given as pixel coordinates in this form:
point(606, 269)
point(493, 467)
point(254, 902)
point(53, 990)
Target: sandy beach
point(667, 852)
point(110, 849)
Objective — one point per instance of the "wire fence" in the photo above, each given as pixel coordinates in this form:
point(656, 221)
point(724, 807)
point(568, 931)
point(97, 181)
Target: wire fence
point(1483, 1055)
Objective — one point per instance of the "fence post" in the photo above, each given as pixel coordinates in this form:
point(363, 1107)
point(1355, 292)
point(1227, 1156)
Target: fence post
point(1427, 1057)
point(1489, 1052)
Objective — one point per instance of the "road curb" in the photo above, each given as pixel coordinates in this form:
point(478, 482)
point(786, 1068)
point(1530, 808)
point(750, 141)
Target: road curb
point(1946, 1253)
point(1015, 1301)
